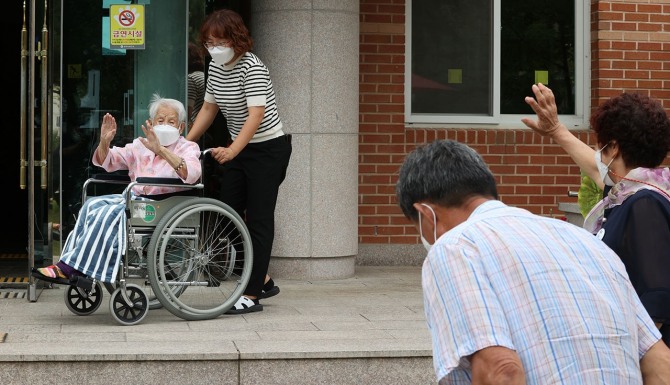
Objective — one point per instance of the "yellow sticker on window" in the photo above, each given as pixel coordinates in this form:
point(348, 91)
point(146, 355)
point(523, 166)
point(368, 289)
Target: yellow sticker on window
point(455, 76)
point(542, 77)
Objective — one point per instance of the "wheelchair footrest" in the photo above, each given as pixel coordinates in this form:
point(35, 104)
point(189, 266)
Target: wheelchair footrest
point(83, 283)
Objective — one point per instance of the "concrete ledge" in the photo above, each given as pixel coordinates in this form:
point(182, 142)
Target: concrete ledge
point(572, 213)
point(342, 348)
point(390, 370)
point(126, 372)
point(406, 371)
point(390, 255)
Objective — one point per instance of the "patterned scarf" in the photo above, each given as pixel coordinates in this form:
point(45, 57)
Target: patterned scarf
point(656, 179)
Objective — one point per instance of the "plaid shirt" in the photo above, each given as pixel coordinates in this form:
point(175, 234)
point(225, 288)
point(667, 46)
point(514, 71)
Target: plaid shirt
point(545, 288)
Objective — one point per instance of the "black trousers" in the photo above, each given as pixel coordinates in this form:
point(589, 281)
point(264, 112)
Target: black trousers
point(250, 184)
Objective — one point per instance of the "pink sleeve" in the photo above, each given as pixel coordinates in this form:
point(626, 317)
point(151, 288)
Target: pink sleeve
point(190, 151)
point(118, 158)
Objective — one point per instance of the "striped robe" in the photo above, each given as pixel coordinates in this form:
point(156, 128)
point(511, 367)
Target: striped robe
point(98, 241)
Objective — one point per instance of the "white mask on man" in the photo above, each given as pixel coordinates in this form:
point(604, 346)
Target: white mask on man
point(425, 242)
point(221, 55)
point(166, 134)
point(603, 168)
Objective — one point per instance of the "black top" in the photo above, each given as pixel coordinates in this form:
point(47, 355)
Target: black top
point(638, 230)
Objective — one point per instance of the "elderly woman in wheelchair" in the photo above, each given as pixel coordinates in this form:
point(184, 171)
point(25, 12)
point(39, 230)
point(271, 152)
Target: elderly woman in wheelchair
point(192, 241)
point(163, 152)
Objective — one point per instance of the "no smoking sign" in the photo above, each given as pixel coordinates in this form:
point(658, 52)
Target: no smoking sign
point(127, 26)
point(126, 18)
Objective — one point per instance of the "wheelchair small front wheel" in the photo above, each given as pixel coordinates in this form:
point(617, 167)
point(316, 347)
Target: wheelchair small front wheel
point(154, 303)
point(81, 301)
point(131, 308)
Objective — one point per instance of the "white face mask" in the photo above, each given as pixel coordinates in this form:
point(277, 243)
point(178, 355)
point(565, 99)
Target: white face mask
point(423, 239)
point(603, 168)
point(166, 134)
point(221, 55)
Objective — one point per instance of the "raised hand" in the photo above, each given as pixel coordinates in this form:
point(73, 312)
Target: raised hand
point(107, 129)
point(150, 140)
point(544, 105)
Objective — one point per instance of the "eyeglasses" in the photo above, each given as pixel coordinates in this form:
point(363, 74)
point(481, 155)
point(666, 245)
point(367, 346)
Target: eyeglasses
point(214, 44)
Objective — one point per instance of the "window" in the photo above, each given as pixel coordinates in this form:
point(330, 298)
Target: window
point(474, 61)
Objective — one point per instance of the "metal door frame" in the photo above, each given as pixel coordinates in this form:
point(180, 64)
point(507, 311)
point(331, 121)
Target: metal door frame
point(29, 57)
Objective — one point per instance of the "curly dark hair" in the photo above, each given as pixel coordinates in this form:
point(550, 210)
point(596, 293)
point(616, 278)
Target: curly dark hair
point(227, 24)
point(640, 126)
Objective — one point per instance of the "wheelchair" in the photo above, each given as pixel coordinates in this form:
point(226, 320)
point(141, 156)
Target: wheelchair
point(191, 255)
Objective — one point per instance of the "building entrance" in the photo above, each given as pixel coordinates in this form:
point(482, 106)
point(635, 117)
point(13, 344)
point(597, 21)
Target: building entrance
point(72, 71)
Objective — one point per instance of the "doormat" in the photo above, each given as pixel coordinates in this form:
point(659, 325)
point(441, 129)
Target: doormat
point(12, 294)
point(14, 279)
point(13, 256)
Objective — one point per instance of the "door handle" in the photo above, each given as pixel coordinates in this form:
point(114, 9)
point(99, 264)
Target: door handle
point(42, 56)
point(23, 162)
point(127, 109)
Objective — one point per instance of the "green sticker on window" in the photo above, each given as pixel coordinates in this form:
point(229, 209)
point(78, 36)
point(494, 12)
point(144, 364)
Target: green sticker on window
point(542, 77)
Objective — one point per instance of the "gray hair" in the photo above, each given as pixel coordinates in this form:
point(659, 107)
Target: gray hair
point(445, 173)
point(157, 101)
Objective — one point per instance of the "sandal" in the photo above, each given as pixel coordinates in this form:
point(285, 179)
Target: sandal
point(50, 274)
point(245, 305)
point(269, 289)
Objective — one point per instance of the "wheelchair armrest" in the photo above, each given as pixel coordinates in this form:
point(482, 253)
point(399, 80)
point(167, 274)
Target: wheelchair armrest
point(157, 181)
point(114, 179)
point(151, 181)
point(111, 177)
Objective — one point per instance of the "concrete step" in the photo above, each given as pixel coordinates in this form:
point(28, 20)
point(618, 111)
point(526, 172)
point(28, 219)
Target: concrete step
point(368, 329)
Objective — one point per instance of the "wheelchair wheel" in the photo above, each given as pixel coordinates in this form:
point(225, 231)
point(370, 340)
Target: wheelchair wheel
point(141, 279)
point(130, 310)
point(81, 301)
point(200, 259)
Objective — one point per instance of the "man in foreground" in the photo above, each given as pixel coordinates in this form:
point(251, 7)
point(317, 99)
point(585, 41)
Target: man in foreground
point(512, 297)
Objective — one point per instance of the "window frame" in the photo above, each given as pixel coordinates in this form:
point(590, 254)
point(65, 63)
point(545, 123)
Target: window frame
point(582, 77)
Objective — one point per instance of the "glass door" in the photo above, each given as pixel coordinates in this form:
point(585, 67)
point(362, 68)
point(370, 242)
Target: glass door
point(26, 183)
point(73, 71)
point(102, 76)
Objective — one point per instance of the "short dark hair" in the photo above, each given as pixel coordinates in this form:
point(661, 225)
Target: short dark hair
point(445, 173)
point(227, 24)
point(640, 126)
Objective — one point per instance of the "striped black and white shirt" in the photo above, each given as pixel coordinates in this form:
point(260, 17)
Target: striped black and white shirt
point(196, 93)
point(242, 84)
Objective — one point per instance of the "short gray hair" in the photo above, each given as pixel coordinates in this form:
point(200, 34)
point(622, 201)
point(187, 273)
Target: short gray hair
point(445, 173)
point(157, 101)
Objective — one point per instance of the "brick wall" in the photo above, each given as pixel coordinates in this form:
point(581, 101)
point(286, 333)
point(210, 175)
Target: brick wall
point(630, 50)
